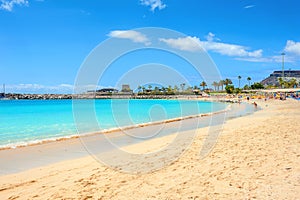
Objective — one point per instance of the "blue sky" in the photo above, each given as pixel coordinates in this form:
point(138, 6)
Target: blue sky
point(44, 42)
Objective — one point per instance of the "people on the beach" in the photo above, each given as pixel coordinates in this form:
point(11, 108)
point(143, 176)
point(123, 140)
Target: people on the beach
point(255, 104)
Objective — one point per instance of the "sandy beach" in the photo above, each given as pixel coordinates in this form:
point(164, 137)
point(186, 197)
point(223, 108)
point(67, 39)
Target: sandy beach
point(256, 157)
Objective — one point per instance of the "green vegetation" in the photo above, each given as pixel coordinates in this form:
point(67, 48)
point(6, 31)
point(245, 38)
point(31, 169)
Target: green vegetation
point(256, 86)
point(229, 89)
point(246, 87)
point(170, 90)
point(292, 83)
point(218, 87)
point(227, 82)
point(237, 90)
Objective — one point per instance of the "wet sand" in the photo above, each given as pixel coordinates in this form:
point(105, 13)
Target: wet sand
point(256, 157)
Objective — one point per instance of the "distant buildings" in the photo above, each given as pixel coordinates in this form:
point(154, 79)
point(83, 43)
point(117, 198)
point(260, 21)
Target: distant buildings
point(273, 79)
point(109, 91)
point(126, 89)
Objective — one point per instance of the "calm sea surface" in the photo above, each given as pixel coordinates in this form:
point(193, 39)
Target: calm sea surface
point(28, 121)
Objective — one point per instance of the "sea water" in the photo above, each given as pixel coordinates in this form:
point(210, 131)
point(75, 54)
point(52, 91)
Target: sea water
point(24, 122)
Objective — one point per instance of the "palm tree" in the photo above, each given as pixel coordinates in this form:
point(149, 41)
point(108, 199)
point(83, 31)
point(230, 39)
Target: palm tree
point(203, 84)
point(239, 77)
point(139, 88)
point(215, 84)
point(182, 85)
point(249, 79)
point(221, 83)
point(281, 82)
point(293, 83)
point(169, 89)
point(227, 81)
point(149, 87)
point(176, 88)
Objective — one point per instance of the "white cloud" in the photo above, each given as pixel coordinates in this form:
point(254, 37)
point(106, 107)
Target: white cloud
point(38, 88)
point(186, 44)
point(249, 6)
point(210, 36)
point(292, 47)
point(230, 49)
point(131, 35)
point(270, 59)
point(53, 89)
point(8, 5)
point(255, 59)
point(287, 58)
point(195, 44)
point(292, 53)
point(153, 4)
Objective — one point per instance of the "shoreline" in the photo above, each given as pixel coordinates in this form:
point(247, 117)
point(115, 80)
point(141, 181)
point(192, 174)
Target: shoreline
point(256, 156)
point(73, 147)
point(115, 129)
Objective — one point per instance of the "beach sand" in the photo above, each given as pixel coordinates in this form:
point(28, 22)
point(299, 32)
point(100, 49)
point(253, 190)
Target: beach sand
point(256, 157)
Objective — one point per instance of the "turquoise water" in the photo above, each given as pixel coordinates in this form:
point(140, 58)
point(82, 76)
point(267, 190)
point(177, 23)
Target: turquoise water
point(30, 121)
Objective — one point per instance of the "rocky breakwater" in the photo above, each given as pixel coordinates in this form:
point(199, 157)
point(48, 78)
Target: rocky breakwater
point(38, 96)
